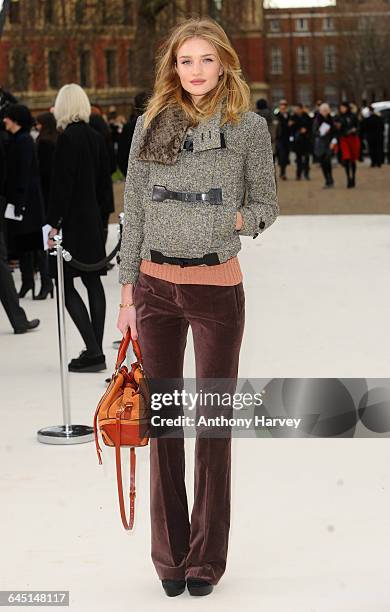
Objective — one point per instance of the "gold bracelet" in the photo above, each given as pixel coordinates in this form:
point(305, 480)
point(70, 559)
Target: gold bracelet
point(126, 305)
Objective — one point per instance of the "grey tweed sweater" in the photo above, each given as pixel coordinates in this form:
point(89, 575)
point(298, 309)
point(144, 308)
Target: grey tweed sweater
point(240, 163)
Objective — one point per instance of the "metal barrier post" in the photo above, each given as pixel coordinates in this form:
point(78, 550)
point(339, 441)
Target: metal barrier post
point(128, 354)
point(66, 433)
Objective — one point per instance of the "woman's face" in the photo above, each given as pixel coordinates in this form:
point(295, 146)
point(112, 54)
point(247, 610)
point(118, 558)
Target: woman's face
point(198, 67)
point(324, 110)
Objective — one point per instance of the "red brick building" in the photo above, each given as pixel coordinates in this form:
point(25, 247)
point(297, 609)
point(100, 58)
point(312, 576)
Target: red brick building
point(328, 53)
point(47, 43)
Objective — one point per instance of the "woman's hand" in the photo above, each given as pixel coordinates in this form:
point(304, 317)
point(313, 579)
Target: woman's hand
point(239, 220)
point(126, 319)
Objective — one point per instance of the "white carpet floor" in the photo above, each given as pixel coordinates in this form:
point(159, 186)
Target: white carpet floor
point(310, 524)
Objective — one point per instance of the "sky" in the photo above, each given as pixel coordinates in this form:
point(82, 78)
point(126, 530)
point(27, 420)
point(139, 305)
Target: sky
point(296, 3)
point(281, 3)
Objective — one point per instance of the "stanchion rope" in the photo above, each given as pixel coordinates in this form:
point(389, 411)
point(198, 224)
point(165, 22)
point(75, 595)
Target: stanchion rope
point(79, 265)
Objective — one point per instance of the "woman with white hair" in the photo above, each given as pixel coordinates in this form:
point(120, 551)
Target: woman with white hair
point(78, 200)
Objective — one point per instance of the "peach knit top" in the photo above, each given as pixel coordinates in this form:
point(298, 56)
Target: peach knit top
point(227, 273)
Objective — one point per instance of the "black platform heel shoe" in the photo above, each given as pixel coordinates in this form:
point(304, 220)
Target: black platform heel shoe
point(174, 587)
point(25, 288)
point(44, 292)
point(197, 587)
point(87, 363)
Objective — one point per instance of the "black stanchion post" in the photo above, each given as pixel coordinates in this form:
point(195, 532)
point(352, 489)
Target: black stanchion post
point(66, 433)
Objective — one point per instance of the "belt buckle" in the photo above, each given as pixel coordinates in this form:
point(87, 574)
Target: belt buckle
point(159, 193)
point(215, 195)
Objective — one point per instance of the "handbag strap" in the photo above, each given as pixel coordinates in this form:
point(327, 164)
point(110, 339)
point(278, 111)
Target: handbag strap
point(124, 345)
point(128, 524)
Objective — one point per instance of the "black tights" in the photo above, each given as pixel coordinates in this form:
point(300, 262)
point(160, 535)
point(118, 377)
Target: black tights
point(350, 166)
point(90, 328)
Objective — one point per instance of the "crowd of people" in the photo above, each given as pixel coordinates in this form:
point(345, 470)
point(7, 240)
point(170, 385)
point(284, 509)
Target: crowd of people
point(320, 135)
point(57, 169)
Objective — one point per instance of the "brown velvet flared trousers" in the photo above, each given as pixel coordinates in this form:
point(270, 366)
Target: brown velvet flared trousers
point(179, 548)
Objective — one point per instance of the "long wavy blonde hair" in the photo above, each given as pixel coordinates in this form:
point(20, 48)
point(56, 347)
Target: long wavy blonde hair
point(231, 89)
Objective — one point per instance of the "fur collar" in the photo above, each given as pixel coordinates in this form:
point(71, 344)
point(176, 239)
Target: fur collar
point(163, 140)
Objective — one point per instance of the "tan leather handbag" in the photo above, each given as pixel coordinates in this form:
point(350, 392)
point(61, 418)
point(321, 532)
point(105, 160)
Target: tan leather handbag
point(123, 417)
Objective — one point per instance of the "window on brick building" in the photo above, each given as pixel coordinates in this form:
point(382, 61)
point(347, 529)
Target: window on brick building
point(79, 11)
point(369, 62)
point(277, 93)
point(274, 25)
point(301, 24)
point(367, 22)
point(49, 12)
point(276, 61)
point(305, 95)
point(330, 58)
point(19, 70)
point(109, 12)
point(85, 68)
point(14, 11)
point(128, 12)
point(54, 69)
point(331, 95)
point(328, 23)
point(303, 59)
point(111, 65)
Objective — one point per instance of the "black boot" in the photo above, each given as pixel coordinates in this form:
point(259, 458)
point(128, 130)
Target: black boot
point(44, 292)
point(174, 587)
point(197, 587)
point(25, 288)
point(347, 172)
point(328, 179)
point(353, 181)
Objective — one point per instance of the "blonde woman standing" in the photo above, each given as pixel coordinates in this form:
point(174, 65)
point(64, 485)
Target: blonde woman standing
point(195, 152)
point(79, 198)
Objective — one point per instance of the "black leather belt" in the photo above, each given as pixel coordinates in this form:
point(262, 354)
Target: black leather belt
point(210, 259)
point(161, 193)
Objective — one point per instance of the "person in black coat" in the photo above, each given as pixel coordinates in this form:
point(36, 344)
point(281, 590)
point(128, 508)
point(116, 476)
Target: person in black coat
point(23, 189)
point(300, 130)
point(372, 129)
point(126, 136)
point(97, 122)
point(263, 110)
point(79, 195)
point(8, 295)
point(282, 137)
point(323, 134)
point(347, 126)
point(46, 144)
point(6, 98)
